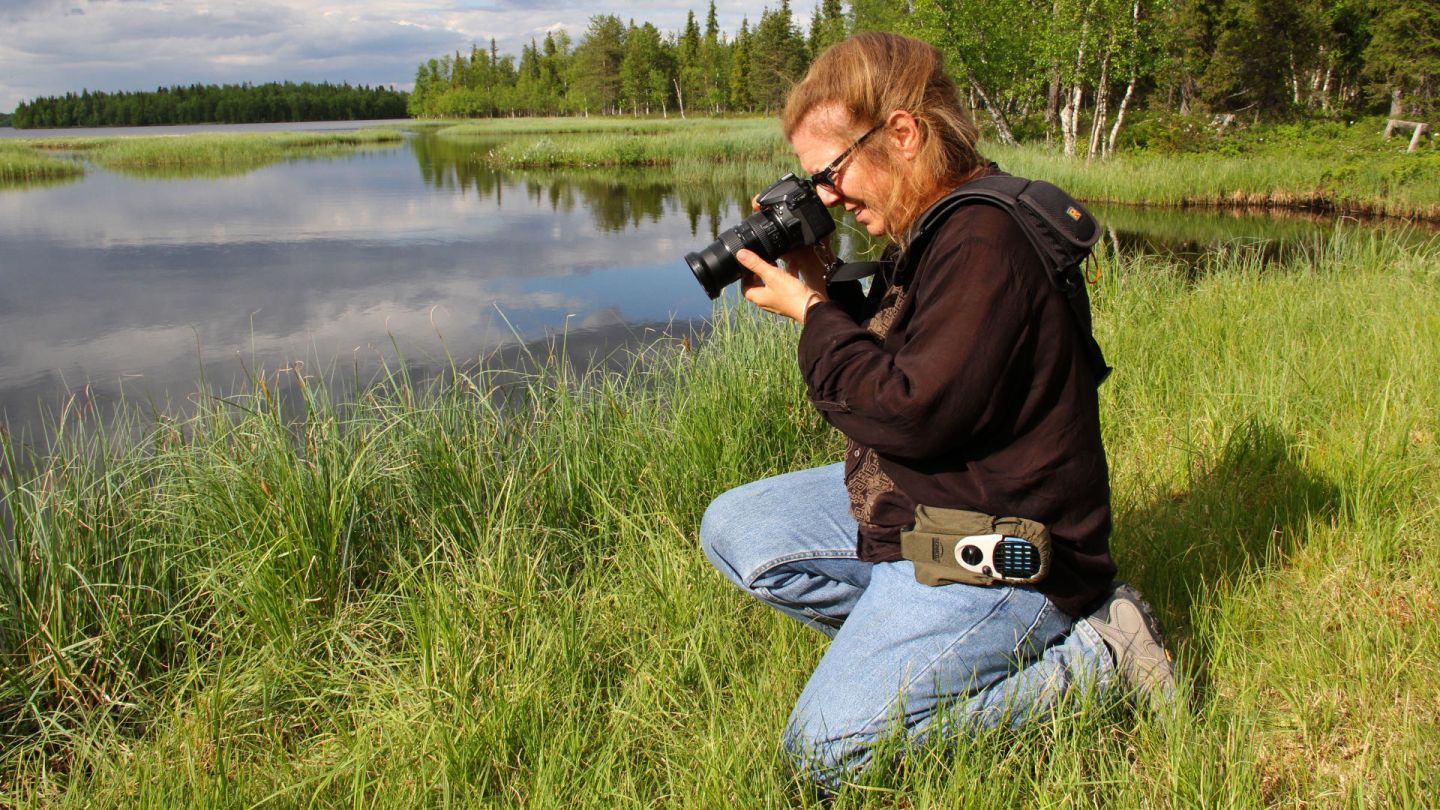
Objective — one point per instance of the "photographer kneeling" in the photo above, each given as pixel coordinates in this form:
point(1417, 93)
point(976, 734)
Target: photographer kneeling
point(964, 391)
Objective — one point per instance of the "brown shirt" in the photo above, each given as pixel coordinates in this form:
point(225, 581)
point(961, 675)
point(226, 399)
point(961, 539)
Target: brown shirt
point(961, 382)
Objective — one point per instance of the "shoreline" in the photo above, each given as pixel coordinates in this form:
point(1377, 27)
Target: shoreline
point(1353, 177)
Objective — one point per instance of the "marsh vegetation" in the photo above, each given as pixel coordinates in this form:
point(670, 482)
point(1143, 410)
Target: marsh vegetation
point(198, 154)
point(466, 593)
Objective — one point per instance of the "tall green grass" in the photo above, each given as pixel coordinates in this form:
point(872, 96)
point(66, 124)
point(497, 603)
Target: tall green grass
point(22, 165)
point(214, 154)
point(1372, 182)
point(488, 592)
point(1353, 171)
point(695, 149)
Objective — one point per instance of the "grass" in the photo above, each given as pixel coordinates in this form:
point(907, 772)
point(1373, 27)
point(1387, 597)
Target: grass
point(22, 165)
point(1407, 188)
point(213, 153)
point(1327, 167)
point(486, 594)
point(1317, 166)
point(745, 149)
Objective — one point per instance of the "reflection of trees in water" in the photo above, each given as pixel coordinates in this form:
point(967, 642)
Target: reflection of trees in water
point(1200, 238)
point(622, 198)
point(617, 198)
point(454, 164)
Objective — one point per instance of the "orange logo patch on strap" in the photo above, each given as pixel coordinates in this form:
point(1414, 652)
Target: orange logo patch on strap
point(1073, 212)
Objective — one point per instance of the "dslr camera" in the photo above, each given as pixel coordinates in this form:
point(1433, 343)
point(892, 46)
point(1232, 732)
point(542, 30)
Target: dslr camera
point(790, 216)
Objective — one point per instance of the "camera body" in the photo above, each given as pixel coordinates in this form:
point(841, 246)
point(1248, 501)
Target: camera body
point(791, 215)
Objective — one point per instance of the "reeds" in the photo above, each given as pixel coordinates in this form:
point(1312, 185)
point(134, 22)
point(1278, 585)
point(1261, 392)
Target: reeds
point(213, 153)
point(1312, 180)
point(22, 165)
point(1356, 174)
point(488, 591)
point(696, 148)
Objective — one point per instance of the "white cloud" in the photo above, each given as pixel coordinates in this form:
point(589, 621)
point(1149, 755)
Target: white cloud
point(55, 46)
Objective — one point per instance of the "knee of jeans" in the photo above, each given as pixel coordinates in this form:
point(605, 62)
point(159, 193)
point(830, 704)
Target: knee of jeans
point(824, 757)
point(717, 532)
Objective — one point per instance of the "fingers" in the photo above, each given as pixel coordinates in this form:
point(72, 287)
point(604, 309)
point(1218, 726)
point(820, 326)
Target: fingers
point(750, 260)
point(771, 288)
point(756, 284)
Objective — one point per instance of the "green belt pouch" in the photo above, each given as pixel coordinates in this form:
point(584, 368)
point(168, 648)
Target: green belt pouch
point(957, 545)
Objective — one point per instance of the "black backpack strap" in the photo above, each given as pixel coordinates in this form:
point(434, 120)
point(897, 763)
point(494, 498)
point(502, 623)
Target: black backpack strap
point(1058, 227)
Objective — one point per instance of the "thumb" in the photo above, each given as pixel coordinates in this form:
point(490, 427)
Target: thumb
point(750, 260)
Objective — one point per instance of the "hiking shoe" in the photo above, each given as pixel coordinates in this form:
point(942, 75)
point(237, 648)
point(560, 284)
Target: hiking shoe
point(1131, 631)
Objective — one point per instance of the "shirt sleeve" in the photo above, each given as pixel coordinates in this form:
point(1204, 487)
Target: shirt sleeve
point(936, 391)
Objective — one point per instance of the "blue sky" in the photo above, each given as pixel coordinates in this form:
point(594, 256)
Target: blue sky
point(49, 47)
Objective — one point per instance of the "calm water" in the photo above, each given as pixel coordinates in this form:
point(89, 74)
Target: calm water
point(117, 285)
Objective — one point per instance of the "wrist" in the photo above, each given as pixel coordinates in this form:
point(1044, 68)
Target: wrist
point(810, 301)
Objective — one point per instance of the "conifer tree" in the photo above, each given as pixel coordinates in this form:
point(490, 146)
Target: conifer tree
point(740, 96)
point(777, 57)
point(596, 82)
point(715, 59)
point(1403, 58)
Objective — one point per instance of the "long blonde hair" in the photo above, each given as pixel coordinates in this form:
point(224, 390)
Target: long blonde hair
point(873, 74)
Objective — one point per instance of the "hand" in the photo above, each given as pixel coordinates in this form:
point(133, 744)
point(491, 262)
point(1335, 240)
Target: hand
point(775, 290)
point(804, 260)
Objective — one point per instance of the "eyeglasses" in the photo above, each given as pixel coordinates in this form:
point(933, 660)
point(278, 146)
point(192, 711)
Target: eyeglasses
point(826, 176)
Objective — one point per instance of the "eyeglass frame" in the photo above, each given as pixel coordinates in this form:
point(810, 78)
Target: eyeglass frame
point(826, 176)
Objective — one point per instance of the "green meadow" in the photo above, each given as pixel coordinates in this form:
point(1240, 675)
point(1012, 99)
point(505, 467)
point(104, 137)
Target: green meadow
point(487, 591)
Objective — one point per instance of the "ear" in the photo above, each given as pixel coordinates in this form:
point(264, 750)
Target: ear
point(904, 133)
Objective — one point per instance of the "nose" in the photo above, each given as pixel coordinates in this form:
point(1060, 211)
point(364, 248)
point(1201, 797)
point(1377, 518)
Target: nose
point(827, 196)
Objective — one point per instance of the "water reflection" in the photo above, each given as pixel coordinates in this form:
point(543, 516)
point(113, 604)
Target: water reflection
point(137, 285)
point(617, 199)
point(118, 284)
point(1198, 238)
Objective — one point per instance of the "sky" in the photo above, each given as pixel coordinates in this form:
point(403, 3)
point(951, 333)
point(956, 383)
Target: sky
point(50, 47)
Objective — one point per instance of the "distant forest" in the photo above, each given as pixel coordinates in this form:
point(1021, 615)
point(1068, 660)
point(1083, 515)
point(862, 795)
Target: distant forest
point(1030, 68)
point(213, 104)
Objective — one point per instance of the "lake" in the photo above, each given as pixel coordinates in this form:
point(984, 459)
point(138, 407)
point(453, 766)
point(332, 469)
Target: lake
point(120, 286)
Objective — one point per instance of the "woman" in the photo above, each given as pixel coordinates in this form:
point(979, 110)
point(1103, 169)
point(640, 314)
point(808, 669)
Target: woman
point(959, 383)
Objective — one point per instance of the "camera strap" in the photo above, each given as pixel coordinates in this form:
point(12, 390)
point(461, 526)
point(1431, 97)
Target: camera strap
point(854, 271)
point(1058, 227)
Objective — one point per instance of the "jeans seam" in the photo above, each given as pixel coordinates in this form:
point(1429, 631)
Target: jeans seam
point(776, 562)
point(1040, 615)
point(930, 666)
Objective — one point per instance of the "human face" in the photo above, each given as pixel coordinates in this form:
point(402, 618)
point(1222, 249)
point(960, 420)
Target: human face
point(850, 181)
point(826, 177)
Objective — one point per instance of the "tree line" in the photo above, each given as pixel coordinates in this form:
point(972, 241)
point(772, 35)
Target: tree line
point(1069, 70)
point(213, 104)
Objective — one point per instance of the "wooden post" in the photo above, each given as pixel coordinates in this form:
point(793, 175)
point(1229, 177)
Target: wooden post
point(1421, 130)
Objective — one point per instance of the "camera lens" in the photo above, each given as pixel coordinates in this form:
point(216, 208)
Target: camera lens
point(716, 267)
point(790, 215)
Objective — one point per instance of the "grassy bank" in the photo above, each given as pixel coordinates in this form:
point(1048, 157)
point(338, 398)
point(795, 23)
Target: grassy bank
point(747, 150)
point(1352, 182)
point(213, 153)
point(1326, 167)
point(413, 599)
point(22, 165)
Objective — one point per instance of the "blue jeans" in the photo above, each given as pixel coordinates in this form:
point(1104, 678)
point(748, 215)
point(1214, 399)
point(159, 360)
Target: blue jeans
point(903, 655)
